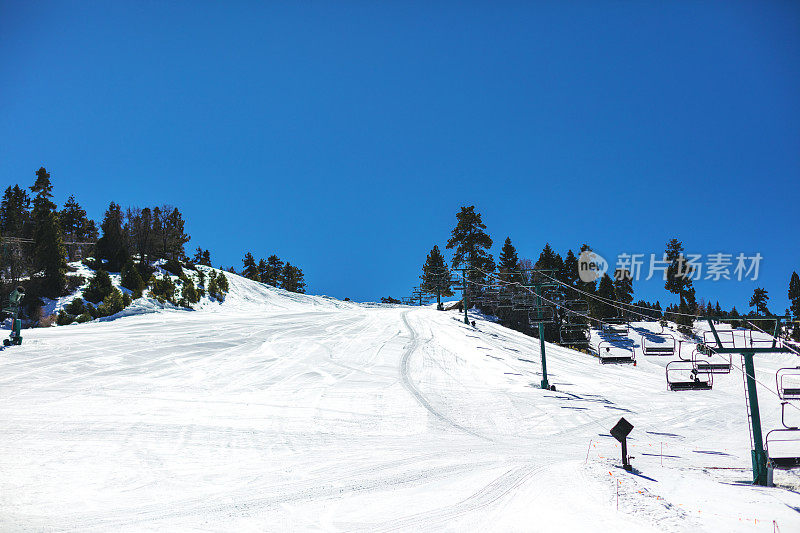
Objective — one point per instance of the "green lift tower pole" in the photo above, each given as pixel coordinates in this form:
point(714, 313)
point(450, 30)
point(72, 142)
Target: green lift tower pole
point(759, 456)
point(545, 384)
point(465, 295)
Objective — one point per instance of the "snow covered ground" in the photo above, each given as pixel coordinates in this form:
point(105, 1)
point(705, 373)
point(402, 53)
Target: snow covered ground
point(275, 411)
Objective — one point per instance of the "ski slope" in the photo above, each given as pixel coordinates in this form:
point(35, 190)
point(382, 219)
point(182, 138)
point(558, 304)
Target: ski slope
point(276, 411)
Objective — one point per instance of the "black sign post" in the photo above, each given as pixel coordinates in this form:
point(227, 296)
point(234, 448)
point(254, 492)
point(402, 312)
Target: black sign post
point(620, 432)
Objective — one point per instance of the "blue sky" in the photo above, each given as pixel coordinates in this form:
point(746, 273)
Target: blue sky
point(344, 136)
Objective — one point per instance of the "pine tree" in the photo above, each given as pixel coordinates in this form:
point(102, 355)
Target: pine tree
point(605, 290)
point(471, 244)
point(222, 285)
point(189, 294)
point(140, 233)
point(571, 275)
point(549, 260)
point(759, 301)
point(50, 255)
point(679, 282)
point(794, 299)
point(76, 226)
point(623, 286)
point(794, 294)
point(293, 279)
point(43, 188)
point(263, 270)
point(131, 279)
point(174, 236)
point(508, 264)
point(15, 212)
point(213, 290)
point(436, 276)
point(274, 275)
point(49, 251)
point(99, 287)
point(250, 270)
point(197, 258)
point(15, 221)
point(112, 246)
point(586, 286)
point(202, 257)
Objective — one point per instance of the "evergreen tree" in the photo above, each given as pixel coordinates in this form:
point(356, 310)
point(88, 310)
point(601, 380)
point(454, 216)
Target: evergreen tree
point(436, 276)
point(213, 290)
point(586, 286)
point(189, 294)
point(571, 269)
point(76, 227)
point(274, 271)
point(794, 298)
point(112, 246)
point(222, 285)
point(293, 279)
point(113, 303)
point(623, 286)
point(549, 260)
point(50, 255)
point(508, 265)
point(14, 222)
point(263, 270)
point(43, 188)
point(174, 237)
point(49, 251)
point(605, 290)
point(794, 294)
point(15, 212)
point(99, 287)
point(471, 244)
point(202, 257)
point(759, 301)
point(250, 270)
point(131, 279)
point(679, 282)
point(140, 233)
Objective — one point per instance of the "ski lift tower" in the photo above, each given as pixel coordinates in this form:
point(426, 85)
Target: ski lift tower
point(539, 280)
point(748, 347)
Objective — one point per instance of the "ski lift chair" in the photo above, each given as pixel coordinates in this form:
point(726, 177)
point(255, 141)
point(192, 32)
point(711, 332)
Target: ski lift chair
point(579, 306)
point(683, 376)
point(573, 335)
point(523, 302)
point(776, 442)
point(617, 327)
point(574, 319)
point(788, 380)
point(619, 355)
point(711, 363)
point(541, 315)
point(666, 346)
point(783, 444)
point(554, 295)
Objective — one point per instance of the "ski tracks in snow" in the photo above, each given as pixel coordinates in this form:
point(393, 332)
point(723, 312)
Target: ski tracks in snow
point(415, 344)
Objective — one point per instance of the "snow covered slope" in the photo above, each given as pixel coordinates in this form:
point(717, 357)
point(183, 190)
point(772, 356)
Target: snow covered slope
point(277, 411)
